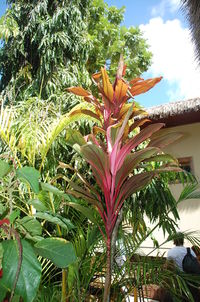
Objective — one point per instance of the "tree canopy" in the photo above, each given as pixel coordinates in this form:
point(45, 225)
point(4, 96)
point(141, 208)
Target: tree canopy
point(49, 45)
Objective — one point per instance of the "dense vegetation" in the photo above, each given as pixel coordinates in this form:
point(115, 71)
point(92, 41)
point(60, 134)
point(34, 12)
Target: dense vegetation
point(62, 222)
point(49, 45)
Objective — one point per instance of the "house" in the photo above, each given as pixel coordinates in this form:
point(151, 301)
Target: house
point(183, 117)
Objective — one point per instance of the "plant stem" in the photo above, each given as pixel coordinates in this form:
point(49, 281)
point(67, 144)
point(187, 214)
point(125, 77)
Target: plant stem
point(106, 297)
point(64, 278)
point(114, 236)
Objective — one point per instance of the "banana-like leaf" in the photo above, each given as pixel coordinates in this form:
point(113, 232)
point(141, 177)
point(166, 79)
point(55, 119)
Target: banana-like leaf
point(38, 204)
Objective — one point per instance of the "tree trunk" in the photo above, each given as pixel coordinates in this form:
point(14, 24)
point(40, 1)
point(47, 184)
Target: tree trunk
point(114, 237)
point(106, 296)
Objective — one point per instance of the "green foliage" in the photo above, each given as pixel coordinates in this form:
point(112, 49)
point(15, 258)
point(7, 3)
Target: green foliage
point(50, 48)
point(58, 250)
point(4, 168)
point(110, 39)
point(30, 272)
point(30, 175)
point(49, 45)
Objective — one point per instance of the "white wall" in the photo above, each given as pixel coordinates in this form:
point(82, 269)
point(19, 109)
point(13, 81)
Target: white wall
point(189, 210)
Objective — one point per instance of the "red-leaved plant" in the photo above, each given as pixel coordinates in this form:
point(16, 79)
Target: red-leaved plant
point(114, 155)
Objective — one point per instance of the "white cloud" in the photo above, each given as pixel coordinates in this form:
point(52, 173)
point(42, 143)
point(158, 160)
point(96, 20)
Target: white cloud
point(164, 6)
point(173, 57)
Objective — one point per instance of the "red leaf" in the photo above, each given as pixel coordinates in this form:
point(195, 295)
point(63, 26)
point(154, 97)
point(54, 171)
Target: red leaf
point(135, 141)
point(4, 221)
point(1, 273)
point(131, 162)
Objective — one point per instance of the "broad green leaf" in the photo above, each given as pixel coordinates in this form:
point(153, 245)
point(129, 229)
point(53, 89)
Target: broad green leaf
point(59, 251)
point(3, 292)
point(49, 188)
point(14, 215)
point(55, 218)
point(5, 168)
point(31, 225)
point(30, 273)
point(30, 175)
point(38, 205)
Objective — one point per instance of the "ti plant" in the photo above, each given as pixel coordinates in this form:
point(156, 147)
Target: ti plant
point(114, 150)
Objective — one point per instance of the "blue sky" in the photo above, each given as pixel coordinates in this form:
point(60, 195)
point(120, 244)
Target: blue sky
point(166, 30)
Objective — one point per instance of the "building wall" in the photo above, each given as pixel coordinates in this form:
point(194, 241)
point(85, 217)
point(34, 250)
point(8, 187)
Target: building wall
point(189, 210)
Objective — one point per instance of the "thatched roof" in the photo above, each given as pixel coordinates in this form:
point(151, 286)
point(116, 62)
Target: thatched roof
point(174, 108)
point(192, 10)
point(176, 113)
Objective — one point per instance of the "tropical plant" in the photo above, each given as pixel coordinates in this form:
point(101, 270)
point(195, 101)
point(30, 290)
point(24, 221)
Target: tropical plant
point(26, 236)
point(112, 150)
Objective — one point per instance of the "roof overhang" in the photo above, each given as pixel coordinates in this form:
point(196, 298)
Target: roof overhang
point(176, 114)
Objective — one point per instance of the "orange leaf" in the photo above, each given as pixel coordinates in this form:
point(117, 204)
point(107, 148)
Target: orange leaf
point(96, 77)
point(133, 81)
point(120, 91)
point(97, 130)
point(107, 86)
point(142, 86)
point(78, 91)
